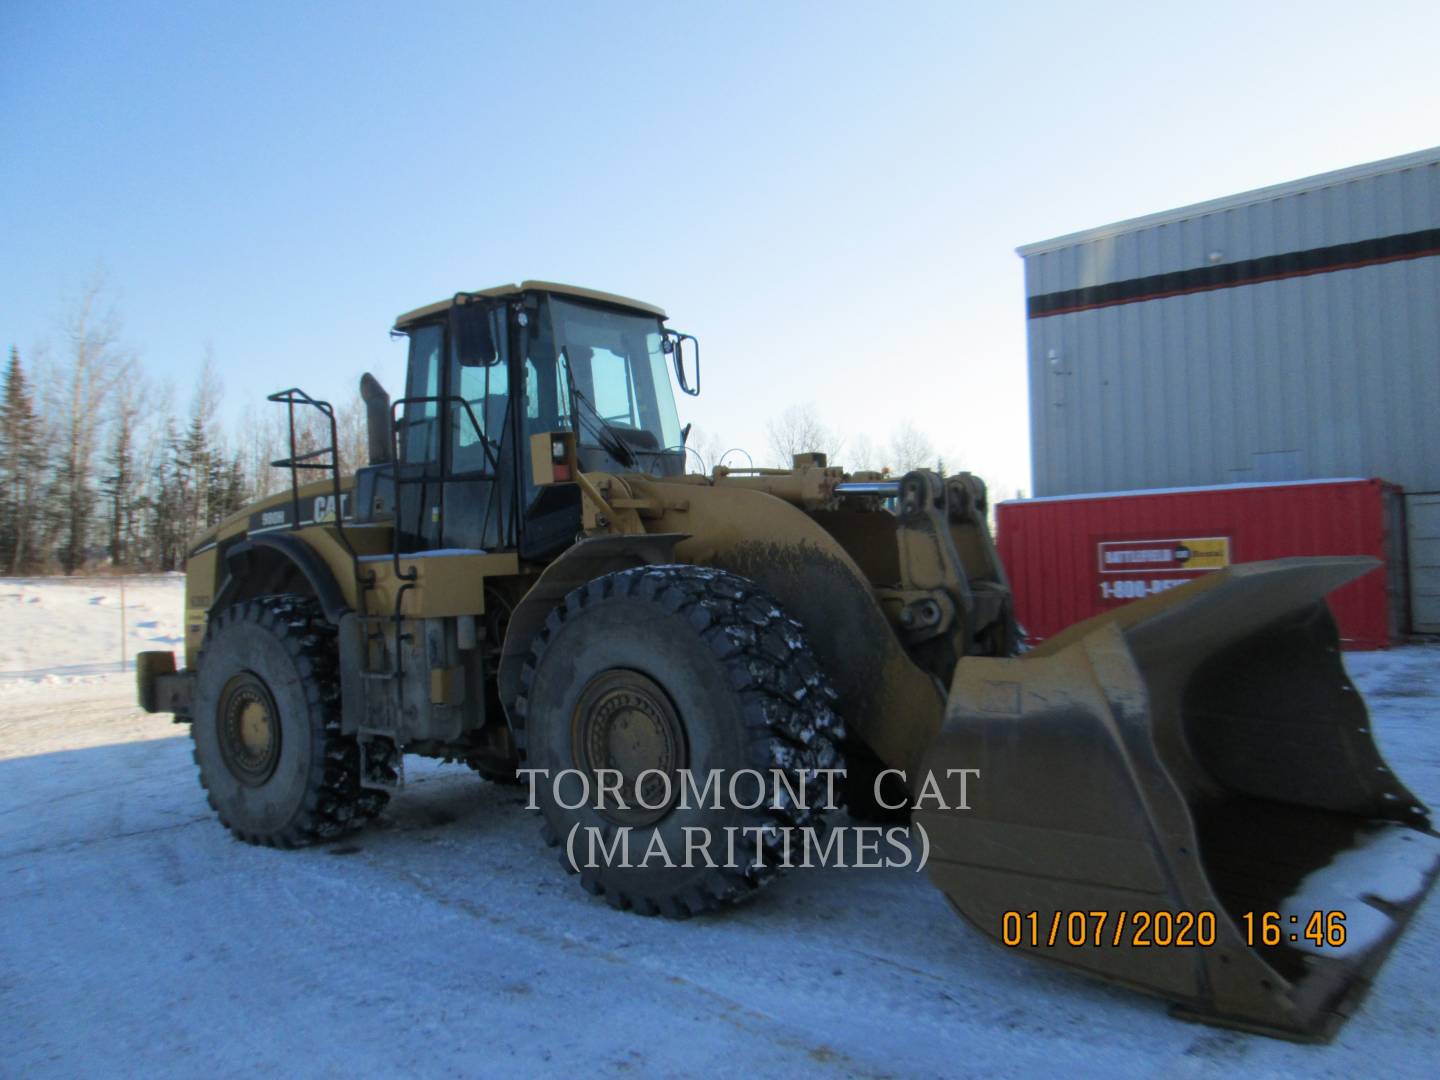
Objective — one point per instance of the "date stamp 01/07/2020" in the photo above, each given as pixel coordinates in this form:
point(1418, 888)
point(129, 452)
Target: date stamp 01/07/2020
point(1166, 929)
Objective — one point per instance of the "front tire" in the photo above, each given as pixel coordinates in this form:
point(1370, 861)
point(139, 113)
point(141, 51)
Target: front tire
point(266, 726)
point(676, 668)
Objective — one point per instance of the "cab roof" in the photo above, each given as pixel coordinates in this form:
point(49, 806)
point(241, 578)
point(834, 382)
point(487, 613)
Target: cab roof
point(412, 317)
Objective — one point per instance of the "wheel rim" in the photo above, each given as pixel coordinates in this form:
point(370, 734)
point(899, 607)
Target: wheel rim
point(623, 720)
point(249, 730)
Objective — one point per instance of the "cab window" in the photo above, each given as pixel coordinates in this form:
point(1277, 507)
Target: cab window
point(421, 421)
point(614, 390)
point(486, 392)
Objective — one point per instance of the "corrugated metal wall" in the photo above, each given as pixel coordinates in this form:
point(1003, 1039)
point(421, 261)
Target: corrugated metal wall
point(1053, 548)
point(1302, 375)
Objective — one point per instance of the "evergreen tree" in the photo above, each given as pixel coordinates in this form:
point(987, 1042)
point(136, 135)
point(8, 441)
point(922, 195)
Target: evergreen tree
point(177, 500)
point(120, 486)
point(228, 488)
point(192, 468)
point(199, 462)
point(218, 503)
point(151, 481)
point(22, 467)
point(166, 497)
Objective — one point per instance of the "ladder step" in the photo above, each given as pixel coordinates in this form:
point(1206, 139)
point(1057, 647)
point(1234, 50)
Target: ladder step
point(389, 757)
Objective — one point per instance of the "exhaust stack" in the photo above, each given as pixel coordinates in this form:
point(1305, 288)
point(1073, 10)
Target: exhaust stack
point(377, 420)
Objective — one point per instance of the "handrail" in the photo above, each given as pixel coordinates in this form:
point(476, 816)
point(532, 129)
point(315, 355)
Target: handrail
point(397, 479)
point(296, 461)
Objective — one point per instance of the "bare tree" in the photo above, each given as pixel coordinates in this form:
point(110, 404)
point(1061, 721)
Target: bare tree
point(910, 448)
point(704, 448)
point(269, 441)
point(352, 433)
point(265, 439)
point(861, 455)
point(257, 449)
point(94, 364)
point(799, 430)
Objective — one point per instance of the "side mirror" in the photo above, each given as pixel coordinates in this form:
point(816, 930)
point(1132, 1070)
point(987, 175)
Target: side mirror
point(686, 360)
point(474, 342)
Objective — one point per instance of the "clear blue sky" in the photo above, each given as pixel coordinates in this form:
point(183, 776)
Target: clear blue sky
point(829, 195)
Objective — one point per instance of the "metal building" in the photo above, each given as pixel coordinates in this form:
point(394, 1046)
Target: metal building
point(1288, 333)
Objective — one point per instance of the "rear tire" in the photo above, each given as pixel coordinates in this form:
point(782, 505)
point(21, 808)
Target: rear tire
point(266, 726)
point(678, 667)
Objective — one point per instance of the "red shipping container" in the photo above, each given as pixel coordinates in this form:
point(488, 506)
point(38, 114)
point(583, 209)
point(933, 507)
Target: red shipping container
point(1073, 556)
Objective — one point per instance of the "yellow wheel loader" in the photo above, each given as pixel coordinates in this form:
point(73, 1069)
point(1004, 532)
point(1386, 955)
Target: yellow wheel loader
point(527, 578)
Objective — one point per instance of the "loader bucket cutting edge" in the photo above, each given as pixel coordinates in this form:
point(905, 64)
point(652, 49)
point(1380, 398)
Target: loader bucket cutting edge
point(1202, 751)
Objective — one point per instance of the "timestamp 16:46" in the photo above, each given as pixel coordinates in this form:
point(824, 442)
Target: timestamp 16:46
point(1319, 928)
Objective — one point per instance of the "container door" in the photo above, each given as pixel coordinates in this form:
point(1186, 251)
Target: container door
point(1422, 518)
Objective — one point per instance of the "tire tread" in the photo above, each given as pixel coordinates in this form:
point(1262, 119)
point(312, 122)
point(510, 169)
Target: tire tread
point(334, 801)
point(785, 697)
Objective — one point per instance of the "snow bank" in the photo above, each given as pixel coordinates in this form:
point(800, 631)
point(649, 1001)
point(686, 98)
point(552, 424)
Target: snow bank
point(61, 631)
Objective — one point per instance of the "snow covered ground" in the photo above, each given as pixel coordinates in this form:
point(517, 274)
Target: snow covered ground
point(138, 938)
point(62, 631)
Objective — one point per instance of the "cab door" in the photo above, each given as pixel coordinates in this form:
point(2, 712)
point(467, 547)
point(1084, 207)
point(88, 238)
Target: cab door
point(418, 500)
point(550, 519)
point(478, 511)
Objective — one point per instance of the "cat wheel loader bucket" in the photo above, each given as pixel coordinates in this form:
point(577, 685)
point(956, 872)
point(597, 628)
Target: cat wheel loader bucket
point(1194, 771)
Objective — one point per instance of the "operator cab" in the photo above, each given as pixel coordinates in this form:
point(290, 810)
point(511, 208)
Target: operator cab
point(489, 369)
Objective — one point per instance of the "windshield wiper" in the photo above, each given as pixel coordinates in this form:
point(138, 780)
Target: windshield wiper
point(604, 434)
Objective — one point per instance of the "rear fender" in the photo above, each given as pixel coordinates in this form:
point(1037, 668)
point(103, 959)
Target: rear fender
point(279, 562)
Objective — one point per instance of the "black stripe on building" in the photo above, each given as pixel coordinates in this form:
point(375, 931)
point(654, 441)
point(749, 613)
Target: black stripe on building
point(1384, 249)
